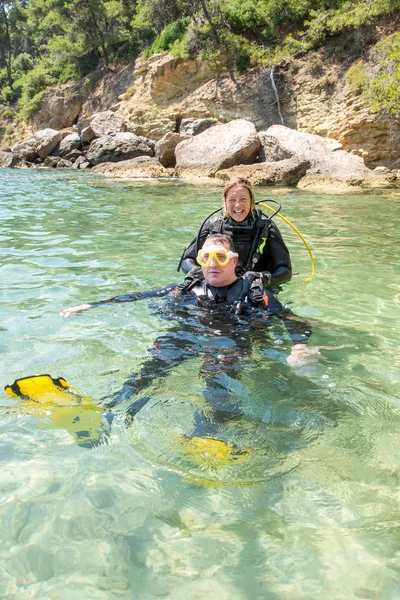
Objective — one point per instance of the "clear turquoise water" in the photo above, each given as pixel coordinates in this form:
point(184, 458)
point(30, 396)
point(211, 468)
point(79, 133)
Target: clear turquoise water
point(314, 512)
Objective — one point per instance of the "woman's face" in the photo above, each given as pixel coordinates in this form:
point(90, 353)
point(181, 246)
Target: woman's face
point(238, 203)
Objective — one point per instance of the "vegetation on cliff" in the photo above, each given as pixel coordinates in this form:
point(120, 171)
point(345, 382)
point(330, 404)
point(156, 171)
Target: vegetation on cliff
point(45, 42)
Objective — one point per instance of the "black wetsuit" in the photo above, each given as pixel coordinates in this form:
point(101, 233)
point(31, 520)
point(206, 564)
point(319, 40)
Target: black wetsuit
point(208, 314)
point(247, 235)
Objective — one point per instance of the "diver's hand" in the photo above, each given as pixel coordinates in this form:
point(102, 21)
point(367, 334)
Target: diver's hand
point(195, 273)
point(265, 277)
point(301, 355)
point(76, 309)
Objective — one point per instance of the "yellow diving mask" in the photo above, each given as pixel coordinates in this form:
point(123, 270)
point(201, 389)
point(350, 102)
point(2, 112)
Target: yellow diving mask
point(220, 254)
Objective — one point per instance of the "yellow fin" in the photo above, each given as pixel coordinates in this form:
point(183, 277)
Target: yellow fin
point(213, 452)
point(53, 401)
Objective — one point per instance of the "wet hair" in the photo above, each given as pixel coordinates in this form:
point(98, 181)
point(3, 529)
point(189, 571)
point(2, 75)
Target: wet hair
point(222, 238)
point(240, 182)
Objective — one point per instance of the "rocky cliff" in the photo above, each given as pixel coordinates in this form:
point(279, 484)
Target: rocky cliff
point(154, 97)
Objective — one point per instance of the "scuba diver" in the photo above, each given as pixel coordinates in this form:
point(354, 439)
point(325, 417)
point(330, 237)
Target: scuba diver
point(219, 320)
point(257, 239)
point(220, 291)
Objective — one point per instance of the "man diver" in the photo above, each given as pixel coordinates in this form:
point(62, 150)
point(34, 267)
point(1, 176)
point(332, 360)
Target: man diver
point(220, 286)
point(215, 324)
point(217, 259)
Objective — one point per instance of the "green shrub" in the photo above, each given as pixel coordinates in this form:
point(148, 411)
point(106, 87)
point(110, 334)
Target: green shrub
point(29, 108)
point(356, 76)
point(381, 87)
point(173, 32)
point(243, 61)
point(23, 63)
point(69, 72)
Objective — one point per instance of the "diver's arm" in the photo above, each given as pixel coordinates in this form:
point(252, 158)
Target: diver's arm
point(278, 256)
point(157, 293)
point(188, 261)
point(300, 332)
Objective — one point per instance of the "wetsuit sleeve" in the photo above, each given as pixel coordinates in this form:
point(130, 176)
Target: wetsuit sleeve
point(190, 254)
point(276, 259)
point(298, 330)
point(157, 293)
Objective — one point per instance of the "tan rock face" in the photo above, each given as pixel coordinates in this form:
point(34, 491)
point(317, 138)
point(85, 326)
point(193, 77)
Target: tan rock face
point(170, 90)
point(327, 106)
point(60, 107)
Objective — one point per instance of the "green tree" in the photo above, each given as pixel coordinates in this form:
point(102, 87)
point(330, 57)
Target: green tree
point(7, 31)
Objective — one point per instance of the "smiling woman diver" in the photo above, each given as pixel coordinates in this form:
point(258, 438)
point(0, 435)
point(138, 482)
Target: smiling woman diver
point(257, 239)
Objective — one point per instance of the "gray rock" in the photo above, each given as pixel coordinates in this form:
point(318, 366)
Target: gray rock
point(41, 144)
point(71, 142)
point(7, 159)
point(79, 127)
point(142, 166)
point(116, 147)
point(165, 149)
point(60, 106)
point(26, 150)
point(47, 140)
point(219, 147)
point(191, 127)
point(64, 164)
point(87, 135)
point(81, 163)
point(270, 150)
point(73, 155)
point(51, 161)
point(107, 122)
point(284, 172)
point(326, 157)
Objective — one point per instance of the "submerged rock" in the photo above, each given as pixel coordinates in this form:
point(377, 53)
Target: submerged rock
point(283, 172)
point(142, 166)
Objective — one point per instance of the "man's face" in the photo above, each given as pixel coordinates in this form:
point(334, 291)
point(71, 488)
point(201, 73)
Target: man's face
point(216, 275)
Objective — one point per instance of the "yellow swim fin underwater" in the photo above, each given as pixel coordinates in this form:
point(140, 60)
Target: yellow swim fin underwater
point(211, 452)
point(57, 404)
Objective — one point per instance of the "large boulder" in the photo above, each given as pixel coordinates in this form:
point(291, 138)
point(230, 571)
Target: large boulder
point(116, 147)
point(81, 163)
point(270, 150)
point(71, 142)
point(326, 156)
point(26, 150)
point(105, 123)
point(41, 144)
point(219, 147)
point(142, 166)
point(7, 159)
point(165, 149)
point(283, 172)
point(47, 140)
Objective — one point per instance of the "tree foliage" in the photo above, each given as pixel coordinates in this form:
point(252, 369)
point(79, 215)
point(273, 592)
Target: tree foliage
point(45, 42)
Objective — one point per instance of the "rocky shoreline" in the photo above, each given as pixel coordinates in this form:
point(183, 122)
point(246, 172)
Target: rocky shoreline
point(202, 148)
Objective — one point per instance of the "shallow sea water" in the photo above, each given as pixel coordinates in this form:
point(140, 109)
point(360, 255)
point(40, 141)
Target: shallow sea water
point(311, 510)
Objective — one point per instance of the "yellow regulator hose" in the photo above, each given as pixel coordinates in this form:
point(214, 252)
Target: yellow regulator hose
point(300, 236)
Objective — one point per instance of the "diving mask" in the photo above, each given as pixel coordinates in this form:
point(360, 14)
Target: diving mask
point(220, 254)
